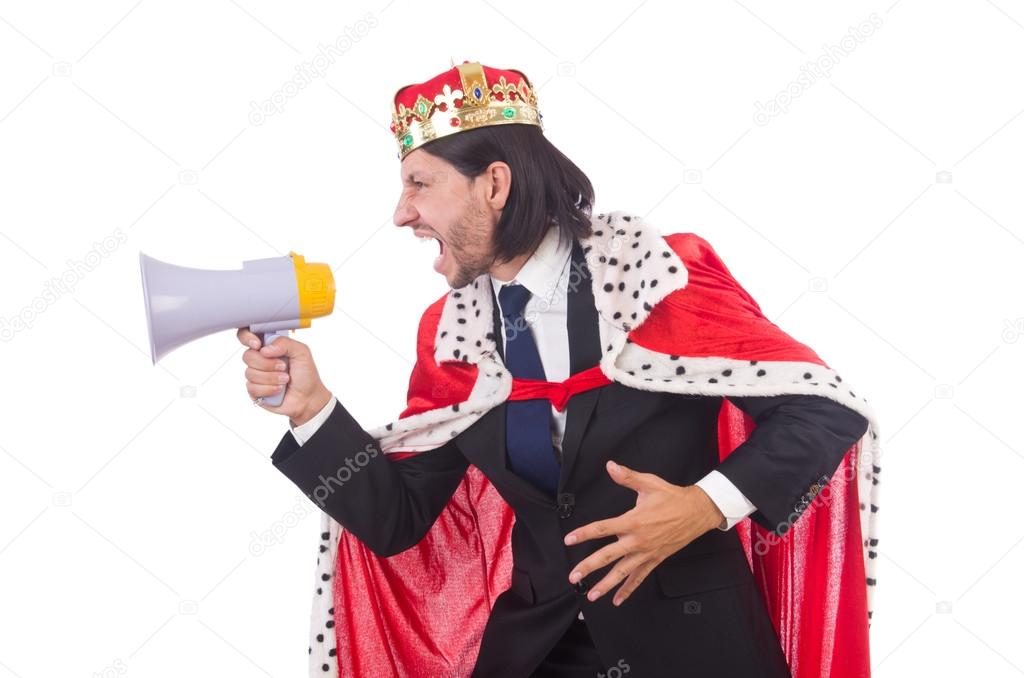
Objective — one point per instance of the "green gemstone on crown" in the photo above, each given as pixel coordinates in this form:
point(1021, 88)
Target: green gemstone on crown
point(509, 112)
point(407, 140)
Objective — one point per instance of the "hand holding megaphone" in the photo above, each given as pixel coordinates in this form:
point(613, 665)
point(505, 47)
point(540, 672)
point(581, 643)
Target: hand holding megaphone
point(268, 298)
point(284, 365)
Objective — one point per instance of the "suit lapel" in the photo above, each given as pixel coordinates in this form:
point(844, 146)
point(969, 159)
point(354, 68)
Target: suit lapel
point(584, 353)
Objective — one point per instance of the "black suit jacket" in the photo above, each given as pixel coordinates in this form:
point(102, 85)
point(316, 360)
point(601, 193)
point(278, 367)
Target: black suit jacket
point(699, 613)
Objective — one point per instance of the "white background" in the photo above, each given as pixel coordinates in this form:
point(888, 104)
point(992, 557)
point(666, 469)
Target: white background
point(131, 495)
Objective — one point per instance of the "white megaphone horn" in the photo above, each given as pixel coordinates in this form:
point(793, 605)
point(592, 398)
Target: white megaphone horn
point(271, 296)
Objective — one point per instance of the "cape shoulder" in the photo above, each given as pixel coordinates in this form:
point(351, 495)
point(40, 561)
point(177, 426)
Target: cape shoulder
point(432, 385)
point(713, 315)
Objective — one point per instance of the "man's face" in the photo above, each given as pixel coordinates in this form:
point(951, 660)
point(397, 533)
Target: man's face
point(440, 203)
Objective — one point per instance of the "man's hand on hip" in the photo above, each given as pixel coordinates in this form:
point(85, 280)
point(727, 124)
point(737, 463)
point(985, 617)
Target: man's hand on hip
point(666, 518)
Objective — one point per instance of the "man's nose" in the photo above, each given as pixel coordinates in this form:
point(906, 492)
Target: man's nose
point(405, 215)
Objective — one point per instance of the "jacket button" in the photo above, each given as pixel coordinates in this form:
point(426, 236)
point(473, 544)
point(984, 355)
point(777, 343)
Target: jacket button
point(580, 587)
point(566, 501)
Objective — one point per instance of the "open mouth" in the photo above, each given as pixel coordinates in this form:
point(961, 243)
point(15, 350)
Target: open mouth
point(440, 260)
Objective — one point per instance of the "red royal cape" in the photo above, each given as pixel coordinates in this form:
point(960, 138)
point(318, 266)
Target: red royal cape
point(422, 612)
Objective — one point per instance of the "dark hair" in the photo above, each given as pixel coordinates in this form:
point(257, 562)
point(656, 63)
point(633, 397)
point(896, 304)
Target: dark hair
point(547, 187)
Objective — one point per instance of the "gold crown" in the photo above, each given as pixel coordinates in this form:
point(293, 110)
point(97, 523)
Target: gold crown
point(460, 100)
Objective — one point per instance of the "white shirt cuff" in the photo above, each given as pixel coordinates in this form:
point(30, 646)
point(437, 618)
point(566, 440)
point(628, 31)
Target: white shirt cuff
point(304, 432)
point(727, 497)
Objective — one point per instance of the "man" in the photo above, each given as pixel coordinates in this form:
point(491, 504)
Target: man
point(623, 554)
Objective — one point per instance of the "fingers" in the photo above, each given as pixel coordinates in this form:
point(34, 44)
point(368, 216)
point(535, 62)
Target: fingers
point(258, 361)
point(599, 559)
point(617, 574)
point(598, 529)
point(267, 378)
point(266, 373)
point(636, 577)
point(284, 346)
point(248, 338)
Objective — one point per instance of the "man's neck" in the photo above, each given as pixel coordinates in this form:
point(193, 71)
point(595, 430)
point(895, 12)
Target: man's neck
point(509, 269)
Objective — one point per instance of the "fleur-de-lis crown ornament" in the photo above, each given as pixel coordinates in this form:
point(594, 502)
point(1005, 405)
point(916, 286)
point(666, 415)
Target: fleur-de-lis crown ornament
point(467, 96)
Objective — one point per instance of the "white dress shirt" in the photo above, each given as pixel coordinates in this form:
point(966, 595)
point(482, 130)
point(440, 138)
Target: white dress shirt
point(546, 275)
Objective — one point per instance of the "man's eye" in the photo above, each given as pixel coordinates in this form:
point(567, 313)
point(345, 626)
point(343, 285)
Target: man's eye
point(418, 184)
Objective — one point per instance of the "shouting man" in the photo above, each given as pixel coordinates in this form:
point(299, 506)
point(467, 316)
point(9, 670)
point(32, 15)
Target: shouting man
point(595, 411)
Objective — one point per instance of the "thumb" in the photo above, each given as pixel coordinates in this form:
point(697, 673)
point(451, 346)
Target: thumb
point(626, 477)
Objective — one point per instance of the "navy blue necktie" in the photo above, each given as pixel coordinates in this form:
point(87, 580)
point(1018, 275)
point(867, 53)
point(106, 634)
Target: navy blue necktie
point(531, 454)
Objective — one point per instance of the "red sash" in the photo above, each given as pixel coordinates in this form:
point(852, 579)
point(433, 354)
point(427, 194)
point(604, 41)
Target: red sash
point(558, 392)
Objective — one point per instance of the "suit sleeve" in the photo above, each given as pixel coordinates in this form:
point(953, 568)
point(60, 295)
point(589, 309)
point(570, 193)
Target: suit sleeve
point(304, 432)
point(388, 505)
point(796, 446)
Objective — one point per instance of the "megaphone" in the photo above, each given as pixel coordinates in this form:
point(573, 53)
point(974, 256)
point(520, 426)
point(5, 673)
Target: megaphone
point(271, 296)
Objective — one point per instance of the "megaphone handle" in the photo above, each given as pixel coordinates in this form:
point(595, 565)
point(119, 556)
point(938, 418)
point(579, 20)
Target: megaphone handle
point(268, 338)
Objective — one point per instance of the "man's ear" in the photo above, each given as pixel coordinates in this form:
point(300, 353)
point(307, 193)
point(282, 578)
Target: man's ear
point(497, 183)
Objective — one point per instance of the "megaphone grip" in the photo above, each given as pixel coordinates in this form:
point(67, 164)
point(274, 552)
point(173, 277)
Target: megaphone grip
point(268, 338)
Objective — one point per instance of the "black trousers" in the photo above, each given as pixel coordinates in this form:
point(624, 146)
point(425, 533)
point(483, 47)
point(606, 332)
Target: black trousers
point(574, 656)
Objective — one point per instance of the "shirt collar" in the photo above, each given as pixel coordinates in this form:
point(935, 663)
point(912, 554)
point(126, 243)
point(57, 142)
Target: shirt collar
point(542, 271)
point(623, 295)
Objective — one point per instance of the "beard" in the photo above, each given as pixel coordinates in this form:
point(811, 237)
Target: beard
point(469, 244)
